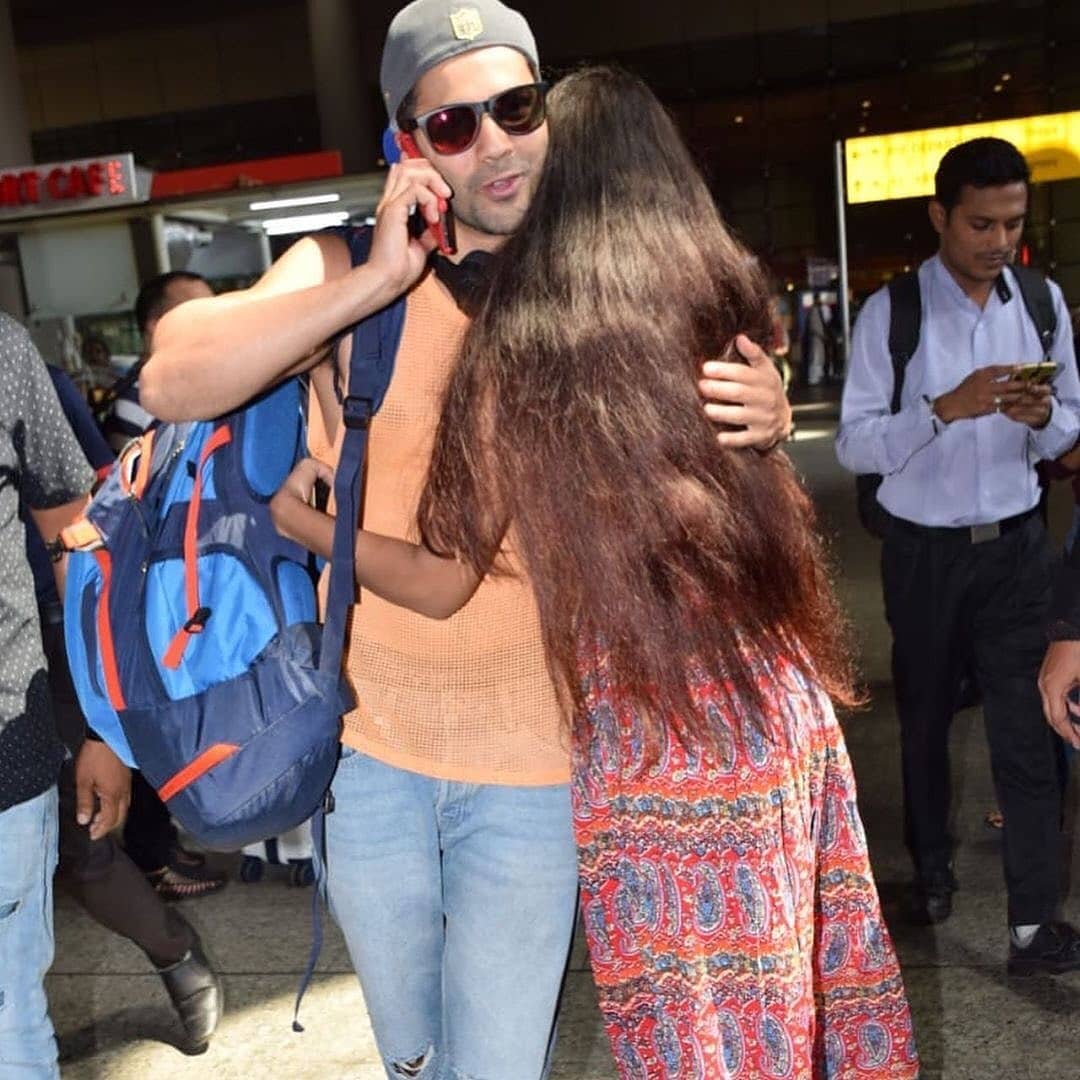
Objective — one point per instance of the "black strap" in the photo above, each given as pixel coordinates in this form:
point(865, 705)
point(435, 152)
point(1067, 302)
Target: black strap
point(905, 324)
point(1040, 305)
point(121, 386)
point(374, 346)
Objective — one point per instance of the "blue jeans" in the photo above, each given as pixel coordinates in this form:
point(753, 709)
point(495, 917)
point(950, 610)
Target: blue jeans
point(28, 852)
point(457, 903)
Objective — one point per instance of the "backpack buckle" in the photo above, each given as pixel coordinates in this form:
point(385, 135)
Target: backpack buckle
point(357, 411)
point(198, 621)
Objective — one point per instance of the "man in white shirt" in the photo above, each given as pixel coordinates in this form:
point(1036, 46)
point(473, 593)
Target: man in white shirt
point(965, 560)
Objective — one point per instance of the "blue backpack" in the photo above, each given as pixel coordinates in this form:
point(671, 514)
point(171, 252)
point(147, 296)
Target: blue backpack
point(191, 624)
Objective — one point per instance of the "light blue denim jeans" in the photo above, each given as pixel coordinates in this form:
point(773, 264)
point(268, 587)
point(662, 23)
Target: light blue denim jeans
point(28, 852)
point(457, 902)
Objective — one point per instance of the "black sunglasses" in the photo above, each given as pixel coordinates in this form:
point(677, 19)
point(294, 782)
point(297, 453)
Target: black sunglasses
point(452, 129)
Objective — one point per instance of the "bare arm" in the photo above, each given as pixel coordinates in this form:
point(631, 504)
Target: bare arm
point(400, 572)
point(211, 355)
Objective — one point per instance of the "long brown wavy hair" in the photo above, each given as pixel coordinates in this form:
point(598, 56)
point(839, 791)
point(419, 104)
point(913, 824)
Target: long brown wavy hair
point(573, 416)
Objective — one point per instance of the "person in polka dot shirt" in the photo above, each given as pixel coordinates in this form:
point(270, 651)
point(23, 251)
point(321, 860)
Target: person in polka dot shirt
point(43, 468)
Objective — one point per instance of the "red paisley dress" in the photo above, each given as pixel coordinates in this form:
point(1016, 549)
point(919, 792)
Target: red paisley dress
point(732, 920)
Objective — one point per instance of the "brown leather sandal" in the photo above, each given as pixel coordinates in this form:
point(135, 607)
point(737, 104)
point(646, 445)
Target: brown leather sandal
point(177, 883)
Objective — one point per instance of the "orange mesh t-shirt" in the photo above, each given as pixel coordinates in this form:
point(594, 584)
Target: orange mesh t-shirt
point(468, 698)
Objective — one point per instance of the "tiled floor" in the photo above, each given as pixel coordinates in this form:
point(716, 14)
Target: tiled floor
point(114, 1022)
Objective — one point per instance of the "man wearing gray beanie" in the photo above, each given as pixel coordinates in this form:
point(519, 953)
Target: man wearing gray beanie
point(451, 866)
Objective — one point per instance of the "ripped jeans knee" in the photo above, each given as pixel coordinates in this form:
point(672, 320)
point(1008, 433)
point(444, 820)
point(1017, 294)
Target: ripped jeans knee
point(424, 1066)
point(414, 1068)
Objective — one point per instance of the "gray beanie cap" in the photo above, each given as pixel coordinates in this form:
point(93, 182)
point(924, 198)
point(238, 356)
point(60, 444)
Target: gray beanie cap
point(427, 32)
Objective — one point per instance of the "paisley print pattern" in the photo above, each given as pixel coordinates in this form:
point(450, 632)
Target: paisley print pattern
point(835, 952)
point(876, 1045)
point(708, 901)
point(834, 1054)
point(732, 1046)
point(776, 1043)
point(755, 907)
point(732, 921)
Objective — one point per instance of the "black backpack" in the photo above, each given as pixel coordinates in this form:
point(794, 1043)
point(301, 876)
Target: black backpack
point(905, 325)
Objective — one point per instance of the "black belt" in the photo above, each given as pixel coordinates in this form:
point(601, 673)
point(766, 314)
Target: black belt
point(973, 534)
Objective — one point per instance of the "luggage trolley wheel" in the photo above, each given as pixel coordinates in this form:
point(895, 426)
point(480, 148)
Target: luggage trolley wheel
point(301, 872)
point(251, 869)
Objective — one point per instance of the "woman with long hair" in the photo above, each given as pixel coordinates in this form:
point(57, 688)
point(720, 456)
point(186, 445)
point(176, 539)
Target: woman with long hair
point(688, 619)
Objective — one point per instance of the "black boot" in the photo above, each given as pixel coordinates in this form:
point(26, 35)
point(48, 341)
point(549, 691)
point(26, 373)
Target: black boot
point(932, 894)
point(1054, 949)
point(196, 993)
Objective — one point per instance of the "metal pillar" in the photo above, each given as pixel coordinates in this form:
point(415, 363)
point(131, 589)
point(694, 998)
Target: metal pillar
point(266, 255)
point(161, 245)
point(841, 229)
point(14, 126)
point(346, 57)
point(15, 150)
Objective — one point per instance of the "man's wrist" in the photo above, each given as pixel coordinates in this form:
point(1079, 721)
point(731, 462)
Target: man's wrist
point(1045, 422)
point(939, 409)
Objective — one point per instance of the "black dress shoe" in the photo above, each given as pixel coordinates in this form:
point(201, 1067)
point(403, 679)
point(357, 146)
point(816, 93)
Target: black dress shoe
point(1054, 948)
point(196, 993)
point(932, 894)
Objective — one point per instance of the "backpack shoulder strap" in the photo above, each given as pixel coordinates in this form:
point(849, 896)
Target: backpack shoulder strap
point(1039, 303)
point(905, 325)
point(375, 342)
point(374, 339)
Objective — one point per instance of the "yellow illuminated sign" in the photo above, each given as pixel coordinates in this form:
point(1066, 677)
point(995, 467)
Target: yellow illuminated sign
point(902, 166)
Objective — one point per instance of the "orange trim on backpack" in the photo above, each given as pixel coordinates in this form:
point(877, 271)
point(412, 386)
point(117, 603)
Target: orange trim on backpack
point(194, 625)
point(146, 459)
point(134, 463)
point(105, 636)
point(191, 772)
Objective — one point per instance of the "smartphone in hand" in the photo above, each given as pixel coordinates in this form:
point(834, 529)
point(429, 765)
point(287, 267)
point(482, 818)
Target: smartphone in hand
point(443, 230)
point(1036, 374)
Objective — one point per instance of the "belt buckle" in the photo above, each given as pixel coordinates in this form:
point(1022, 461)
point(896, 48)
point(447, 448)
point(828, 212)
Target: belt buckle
point(980, 534)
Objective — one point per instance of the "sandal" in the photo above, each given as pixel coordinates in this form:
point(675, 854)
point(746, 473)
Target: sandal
point(175, 882)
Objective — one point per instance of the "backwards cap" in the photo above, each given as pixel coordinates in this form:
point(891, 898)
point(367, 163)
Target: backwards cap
point(427, 32)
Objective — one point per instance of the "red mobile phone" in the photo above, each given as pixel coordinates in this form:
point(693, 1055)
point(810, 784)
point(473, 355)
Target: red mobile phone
point(443, 230)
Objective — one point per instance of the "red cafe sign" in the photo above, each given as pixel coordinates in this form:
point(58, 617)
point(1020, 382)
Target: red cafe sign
point(63, 186)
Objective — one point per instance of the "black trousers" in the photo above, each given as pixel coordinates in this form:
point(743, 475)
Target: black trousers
point(113, 890)
point(149, 833)
point(98, 873)
point(950, 603)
